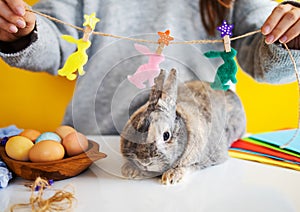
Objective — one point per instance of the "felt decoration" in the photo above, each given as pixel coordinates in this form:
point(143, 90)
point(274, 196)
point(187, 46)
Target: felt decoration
point(164, 39)
point(79, 58)
point(226, 33)
point(225, 29)
point(227, 71)
point(148, 71)
point(76, 60)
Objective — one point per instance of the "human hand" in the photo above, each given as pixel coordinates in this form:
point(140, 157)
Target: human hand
point(15, 22)
point(283, 25)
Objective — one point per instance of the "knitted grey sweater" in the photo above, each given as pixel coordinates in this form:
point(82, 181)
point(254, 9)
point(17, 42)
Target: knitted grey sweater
point(104, 99)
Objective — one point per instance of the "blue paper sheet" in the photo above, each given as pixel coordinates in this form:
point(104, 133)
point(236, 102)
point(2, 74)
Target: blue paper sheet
point(279, 138)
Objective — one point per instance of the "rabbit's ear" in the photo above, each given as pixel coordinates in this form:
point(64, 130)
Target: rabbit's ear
point(169, 94)
point(155, 94)
point(156, 90)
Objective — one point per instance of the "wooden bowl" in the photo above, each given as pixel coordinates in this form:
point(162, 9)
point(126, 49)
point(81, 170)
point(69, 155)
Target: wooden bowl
point(55, 170)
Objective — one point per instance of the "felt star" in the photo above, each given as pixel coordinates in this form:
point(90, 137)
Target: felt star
point(91, 20)
point(165, 37)
point(225, 29)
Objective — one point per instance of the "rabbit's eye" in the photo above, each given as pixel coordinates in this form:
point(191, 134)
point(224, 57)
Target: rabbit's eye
point(166, 136)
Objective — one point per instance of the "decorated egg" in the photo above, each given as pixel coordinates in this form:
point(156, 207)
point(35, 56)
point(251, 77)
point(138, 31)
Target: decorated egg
point(31, 134)
point(46, 150)
point(18, 147)
point(64, 130)
point(48, 136)
point(75, 143)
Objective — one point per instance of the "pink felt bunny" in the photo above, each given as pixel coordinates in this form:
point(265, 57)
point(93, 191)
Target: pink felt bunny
point(148, 71)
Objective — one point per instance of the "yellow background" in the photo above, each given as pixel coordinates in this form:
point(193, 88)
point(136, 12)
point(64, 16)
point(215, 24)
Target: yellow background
point(38, 100)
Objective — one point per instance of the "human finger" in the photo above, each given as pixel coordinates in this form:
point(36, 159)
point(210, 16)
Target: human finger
point(17, 6)
point(7, 14)
point(275, 17)
point(284, 25)
point(291, 34)
point(7, 27)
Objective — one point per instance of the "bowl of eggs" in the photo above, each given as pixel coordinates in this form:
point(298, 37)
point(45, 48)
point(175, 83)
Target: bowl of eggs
point(55, 155)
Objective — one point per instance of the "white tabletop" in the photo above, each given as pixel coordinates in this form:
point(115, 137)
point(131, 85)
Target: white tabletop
point(235, 185)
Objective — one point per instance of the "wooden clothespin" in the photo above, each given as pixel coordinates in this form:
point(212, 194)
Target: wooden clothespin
point(90, 23)
point(226, 33)
point(164, 39)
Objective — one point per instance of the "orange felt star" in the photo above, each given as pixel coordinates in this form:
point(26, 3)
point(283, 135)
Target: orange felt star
point(165, 37)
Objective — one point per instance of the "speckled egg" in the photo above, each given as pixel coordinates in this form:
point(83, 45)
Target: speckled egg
point(31, 134)
point(48, 136)
point(18, 148)
point(46, 150)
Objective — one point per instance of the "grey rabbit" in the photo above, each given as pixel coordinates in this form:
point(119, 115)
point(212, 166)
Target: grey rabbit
point(180, 128)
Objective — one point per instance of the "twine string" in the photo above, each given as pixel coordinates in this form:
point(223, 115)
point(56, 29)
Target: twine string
point(298, 81)
point(139, 40)
point(186, 42)
point(60, 201)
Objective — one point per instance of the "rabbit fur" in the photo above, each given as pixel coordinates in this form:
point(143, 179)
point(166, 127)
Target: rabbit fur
point(180, 128)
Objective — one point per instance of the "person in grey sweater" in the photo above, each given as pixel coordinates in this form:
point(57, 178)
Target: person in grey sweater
point(104, 99)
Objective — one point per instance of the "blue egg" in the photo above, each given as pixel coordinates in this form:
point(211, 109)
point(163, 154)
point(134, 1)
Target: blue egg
point(48, 136)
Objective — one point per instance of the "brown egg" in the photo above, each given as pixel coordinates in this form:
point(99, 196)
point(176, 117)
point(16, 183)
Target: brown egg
point(31, 134)
point(75, 143)
point(64, 130)
point(46, 150)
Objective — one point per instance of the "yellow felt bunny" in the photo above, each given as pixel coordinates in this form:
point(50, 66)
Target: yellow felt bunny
point(76, 60)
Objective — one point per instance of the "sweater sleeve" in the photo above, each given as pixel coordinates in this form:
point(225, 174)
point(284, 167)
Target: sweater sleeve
point(265, 63)
point(47, 51)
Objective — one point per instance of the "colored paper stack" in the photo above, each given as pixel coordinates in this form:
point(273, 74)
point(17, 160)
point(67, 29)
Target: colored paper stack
point(265, 148)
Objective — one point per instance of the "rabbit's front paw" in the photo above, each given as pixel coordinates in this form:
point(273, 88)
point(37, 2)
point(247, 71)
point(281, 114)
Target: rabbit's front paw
point(172, 176)
point(130, 171)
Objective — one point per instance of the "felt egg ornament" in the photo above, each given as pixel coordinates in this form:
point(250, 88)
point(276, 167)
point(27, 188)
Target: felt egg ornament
point(18, 148)
point(46, 150)
point(75, 143)
point(64, 130)
point(48, 136)
point(31, 134)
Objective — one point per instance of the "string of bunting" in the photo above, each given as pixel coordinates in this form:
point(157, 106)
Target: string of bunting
point(142, 40)
point(225, 72)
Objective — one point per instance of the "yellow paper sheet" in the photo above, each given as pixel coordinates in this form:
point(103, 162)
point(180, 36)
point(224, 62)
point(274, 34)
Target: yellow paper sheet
point(247, 156)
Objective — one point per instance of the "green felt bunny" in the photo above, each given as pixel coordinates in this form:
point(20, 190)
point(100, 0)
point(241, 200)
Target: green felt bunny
point(227, 71)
